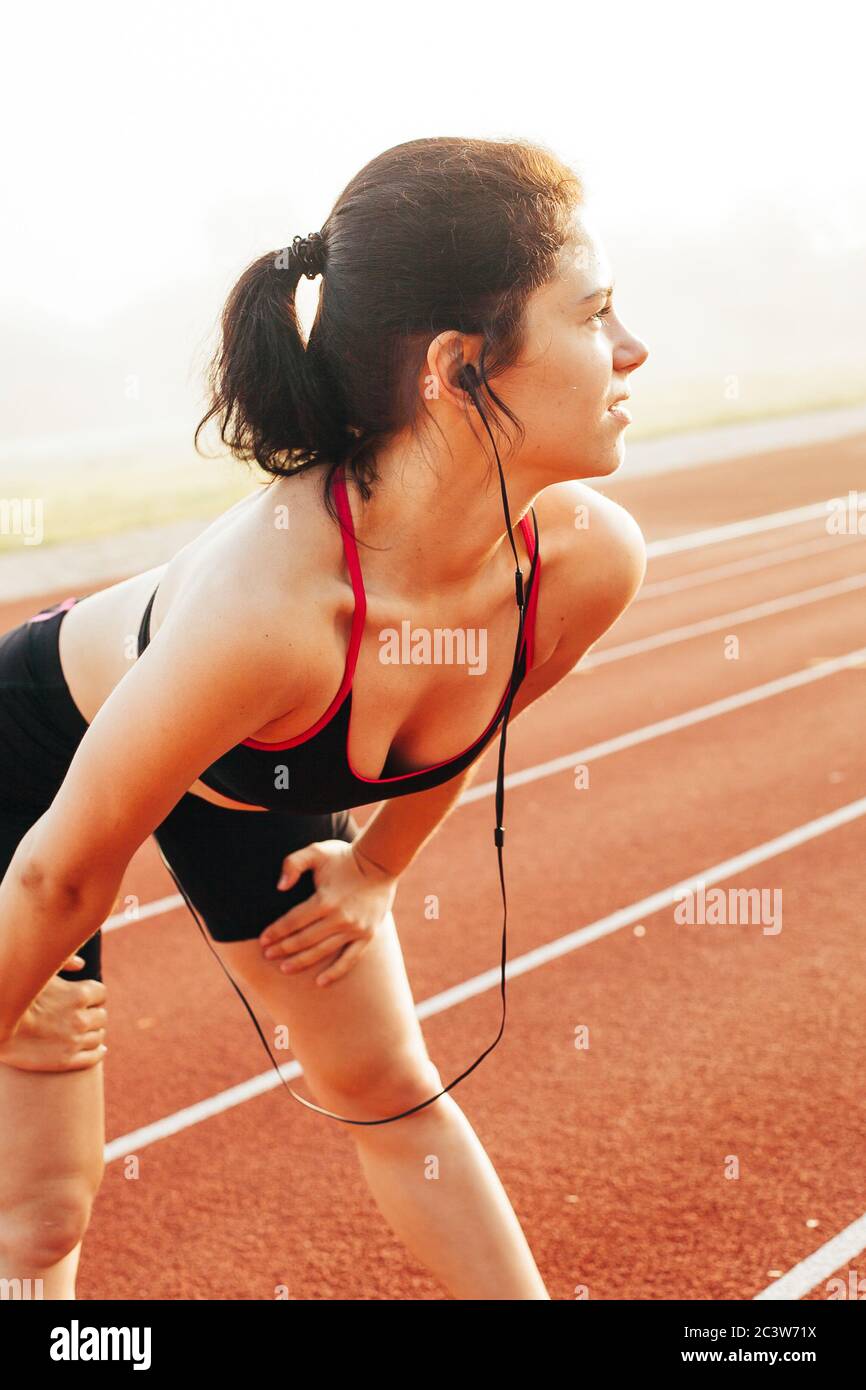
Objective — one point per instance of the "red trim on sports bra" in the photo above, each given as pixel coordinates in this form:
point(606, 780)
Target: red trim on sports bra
point(351, 553)
point(529, 626)
point(45, 613)
point(420, 771)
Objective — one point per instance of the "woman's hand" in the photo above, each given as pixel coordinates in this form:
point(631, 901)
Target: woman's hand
point(63, 1029)
point(351, 898)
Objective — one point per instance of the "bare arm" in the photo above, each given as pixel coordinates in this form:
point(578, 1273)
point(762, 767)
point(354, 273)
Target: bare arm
point(198, 689)
point(399, 829)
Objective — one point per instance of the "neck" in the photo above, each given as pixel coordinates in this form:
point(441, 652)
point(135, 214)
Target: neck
point(437, 526)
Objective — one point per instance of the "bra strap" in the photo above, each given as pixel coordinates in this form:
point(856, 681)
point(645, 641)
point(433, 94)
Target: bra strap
point(350, 549)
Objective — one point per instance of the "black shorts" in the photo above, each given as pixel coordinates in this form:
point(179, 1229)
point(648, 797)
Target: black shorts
point(226, 862)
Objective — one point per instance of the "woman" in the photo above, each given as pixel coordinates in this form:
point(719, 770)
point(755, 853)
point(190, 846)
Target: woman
point(461, 280)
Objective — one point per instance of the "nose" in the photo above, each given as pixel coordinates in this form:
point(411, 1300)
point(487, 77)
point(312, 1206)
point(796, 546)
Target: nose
point(632, 352)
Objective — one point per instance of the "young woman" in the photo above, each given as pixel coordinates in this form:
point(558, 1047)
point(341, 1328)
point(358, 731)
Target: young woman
point(462, 284)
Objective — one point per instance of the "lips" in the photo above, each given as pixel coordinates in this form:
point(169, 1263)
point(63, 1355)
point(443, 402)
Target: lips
point(618, 410)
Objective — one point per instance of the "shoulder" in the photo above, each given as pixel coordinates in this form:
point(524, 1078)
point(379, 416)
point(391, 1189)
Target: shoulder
point(593, 563)
point(592, 535)
point(259, 608)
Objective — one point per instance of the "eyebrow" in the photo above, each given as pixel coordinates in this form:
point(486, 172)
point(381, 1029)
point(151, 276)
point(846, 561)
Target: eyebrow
point(606, 290)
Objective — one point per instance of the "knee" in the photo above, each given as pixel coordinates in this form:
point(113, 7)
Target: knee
point(40, 1229)
point(370, 1090)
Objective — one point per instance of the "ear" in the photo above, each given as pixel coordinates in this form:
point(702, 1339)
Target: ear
point(448, 355)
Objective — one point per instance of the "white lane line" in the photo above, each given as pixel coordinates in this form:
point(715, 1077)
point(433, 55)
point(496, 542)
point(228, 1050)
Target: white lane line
point(675, 722)
point(806, 1275)
point(634, 737)
point(196, 1114)
point(719, 623)
point(765, 559)
point(750, 526)
point(139, 913)
point(521, 965)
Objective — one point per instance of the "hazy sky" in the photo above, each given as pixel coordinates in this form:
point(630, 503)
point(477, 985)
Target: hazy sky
point(152, 150)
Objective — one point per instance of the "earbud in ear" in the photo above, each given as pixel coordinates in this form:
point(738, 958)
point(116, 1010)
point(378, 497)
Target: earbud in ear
point(468, 379)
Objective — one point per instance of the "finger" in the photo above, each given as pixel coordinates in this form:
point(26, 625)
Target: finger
point(295, 942)
point(83, 1021)
point(343, 964)
point(95, 1015)
point(314, 955)
point(92, 991)
point(88, 1058)
point(304, 914)
point(94, 1037)
point(297, 863)
point(73, 963)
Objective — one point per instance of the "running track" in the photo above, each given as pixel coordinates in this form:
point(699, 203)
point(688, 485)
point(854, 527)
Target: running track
point(706, 1043)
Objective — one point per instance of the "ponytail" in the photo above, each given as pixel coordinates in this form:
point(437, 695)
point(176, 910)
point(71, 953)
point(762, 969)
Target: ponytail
point(275, 401)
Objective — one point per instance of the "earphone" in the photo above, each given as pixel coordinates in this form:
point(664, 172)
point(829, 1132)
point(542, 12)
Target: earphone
point(468, 378)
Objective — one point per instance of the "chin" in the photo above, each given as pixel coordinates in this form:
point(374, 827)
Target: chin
point(606, 461)
point(614, 460)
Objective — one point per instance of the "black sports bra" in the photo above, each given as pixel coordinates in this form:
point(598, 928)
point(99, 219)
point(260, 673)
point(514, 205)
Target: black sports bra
point(311, 773)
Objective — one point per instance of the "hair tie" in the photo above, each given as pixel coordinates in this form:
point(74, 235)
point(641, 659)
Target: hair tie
point(309, 251)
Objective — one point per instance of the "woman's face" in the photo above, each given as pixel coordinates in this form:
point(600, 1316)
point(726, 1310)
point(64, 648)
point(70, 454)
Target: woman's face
point(576, 362)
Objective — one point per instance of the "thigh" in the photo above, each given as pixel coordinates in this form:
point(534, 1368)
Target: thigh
point(52, 1134)
point(358, 1032)
point(357, 1037)
point(52, 1124)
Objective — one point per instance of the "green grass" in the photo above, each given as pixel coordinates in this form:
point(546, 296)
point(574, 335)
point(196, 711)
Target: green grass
point(87, 498)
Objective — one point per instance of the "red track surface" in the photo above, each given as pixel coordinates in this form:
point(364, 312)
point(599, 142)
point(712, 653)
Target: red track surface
point(705, 1041)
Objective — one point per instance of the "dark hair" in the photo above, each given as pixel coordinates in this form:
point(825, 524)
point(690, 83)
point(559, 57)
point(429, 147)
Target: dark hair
point(434, 234)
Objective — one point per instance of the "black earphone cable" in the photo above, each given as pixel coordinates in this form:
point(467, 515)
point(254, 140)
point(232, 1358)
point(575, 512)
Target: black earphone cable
point(468, 378)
